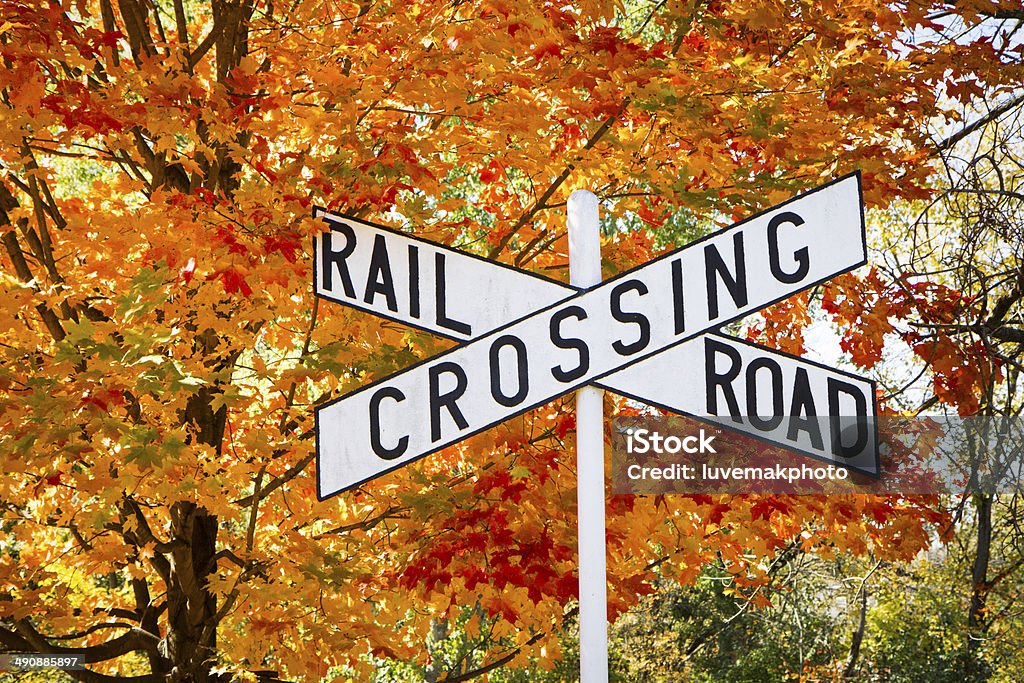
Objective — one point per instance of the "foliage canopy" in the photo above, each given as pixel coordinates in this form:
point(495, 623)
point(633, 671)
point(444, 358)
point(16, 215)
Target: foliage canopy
point(160, 350)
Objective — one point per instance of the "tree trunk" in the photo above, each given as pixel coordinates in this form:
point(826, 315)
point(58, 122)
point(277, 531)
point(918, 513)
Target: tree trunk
point(979, 584)
point(858, 635)
point(191, 640)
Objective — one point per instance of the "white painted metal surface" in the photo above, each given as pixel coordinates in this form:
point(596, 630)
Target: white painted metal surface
point(567, 345)
point(585, 272)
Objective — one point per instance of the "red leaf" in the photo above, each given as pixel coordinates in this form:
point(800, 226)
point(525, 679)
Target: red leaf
point(763, 509)
point(548, 50)
point(491, 172)
point(565, 424)
point(233, 281)
point(285, 243)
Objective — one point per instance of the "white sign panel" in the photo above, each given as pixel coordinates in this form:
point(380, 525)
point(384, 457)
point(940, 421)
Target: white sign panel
point(674, 379)
point(422, 284)
point(512, 369)
point(800, 405)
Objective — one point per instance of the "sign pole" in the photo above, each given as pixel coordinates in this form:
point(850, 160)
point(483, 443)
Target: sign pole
point(584, 272)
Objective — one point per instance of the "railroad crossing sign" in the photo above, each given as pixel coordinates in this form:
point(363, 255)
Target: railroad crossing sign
point(650, 333)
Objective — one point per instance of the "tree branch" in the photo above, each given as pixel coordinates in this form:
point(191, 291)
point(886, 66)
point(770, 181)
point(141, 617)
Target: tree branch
point(142, 531)
point(980, 123)
point(181, 25)
point(142, 535)
point(541, 203)
point(93, 629)
point(110, 26)
point(1007, 334)
point(1005, 302)
point(391, 513)
point(27, 637)
point(1012, 14)
point(136, 25)
point(501, 661)
point(21, 268)
point(283, 478)
point(205, 45)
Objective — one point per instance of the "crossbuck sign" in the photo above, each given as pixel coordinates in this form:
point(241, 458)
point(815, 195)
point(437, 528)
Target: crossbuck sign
point(650, 334)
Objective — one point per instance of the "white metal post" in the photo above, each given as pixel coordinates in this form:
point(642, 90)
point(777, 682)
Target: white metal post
point(585, 271)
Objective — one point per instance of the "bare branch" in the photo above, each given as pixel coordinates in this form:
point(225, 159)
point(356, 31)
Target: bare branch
point(980, 123)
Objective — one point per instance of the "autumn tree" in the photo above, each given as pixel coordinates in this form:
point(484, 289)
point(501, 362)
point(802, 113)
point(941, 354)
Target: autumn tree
point(949, 285)
point(162, 351)
point(966, 333)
